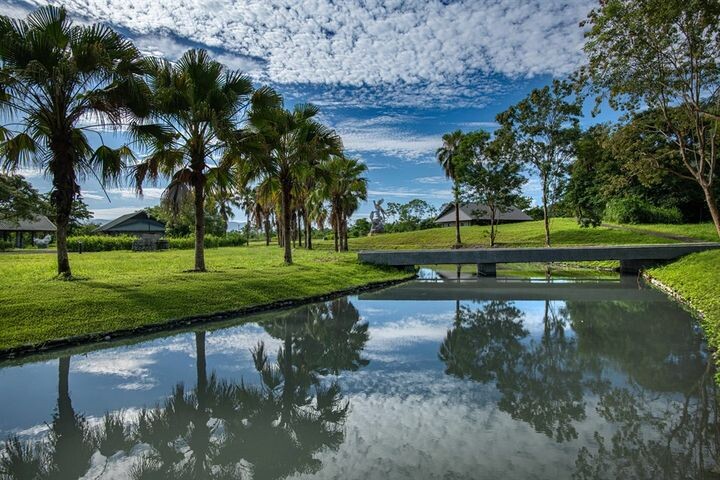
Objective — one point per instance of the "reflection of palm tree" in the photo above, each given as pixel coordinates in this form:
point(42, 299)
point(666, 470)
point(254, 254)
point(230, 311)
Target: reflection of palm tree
point(67, 453)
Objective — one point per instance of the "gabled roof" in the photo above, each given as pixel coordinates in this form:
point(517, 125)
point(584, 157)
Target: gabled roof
point(132, 223)
point(476, 211)
point(39, 223)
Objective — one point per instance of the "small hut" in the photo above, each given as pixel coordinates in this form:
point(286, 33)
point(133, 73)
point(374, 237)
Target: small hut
point(478, 214)
point(38, 225)
point(148, 230)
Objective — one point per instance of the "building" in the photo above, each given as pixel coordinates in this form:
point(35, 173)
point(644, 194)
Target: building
point(139, 224)
point(39, 225)
point(477, 214)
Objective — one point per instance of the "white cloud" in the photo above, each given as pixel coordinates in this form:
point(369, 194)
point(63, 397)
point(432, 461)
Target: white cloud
point(418, 52)
point(151, 193)
point(114, 212)
point(433, 180)
point(402, 192)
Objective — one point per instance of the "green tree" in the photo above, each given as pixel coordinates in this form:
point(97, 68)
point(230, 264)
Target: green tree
point(18, 199)
point(197, 105)
point(280, 146)
point(416, 214)
point(663, 55)
point(180, 222)
point(447, 156)
point(489, 175)
point(54, 76)
point(543, 128)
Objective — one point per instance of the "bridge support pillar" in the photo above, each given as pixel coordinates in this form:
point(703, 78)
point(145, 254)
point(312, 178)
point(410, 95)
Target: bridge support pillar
point(487, 269)
point(634, 266)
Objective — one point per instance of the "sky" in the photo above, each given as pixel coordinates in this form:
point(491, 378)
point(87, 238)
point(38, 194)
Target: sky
point(391, 77)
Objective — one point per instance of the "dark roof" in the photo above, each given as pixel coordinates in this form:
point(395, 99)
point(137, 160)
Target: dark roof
point(132, 223)
point(476, 211)
point(39, 223)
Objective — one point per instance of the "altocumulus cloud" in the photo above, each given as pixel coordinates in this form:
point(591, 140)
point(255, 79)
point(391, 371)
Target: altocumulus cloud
point(404, 51)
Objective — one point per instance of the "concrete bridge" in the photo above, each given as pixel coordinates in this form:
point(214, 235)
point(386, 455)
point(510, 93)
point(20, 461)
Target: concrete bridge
point(632, 257)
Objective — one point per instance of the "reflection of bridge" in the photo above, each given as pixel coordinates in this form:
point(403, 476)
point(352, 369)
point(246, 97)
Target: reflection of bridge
point(631, 257)
point(627, 289)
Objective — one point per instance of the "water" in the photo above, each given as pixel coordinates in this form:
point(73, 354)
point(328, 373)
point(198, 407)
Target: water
point(481, 379)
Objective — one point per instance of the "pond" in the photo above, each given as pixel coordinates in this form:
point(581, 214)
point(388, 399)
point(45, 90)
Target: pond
point(513, 378)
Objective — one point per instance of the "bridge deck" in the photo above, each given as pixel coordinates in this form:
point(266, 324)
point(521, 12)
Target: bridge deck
point(625, 253)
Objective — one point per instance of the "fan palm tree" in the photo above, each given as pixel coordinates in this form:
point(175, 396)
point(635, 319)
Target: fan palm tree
point(58, 79)
point(345, 186)
point(197, 104)
point(283, 145)
point(447, 155)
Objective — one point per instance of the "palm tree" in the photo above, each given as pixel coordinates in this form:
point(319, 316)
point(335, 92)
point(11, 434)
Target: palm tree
point(57, 78)
point(344, 186)
point(197, 104)
point(283, 145)
point(448, 158)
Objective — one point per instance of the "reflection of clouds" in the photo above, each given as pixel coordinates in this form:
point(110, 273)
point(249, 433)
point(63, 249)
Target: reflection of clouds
point(409, 330)
point(401, 424)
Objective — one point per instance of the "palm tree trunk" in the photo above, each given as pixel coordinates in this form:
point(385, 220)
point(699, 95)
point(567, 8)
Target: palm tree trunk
point(267, 231)
point(201, 365)
point(308, 232)
point(64, 190)
point(336, 229)
point(458, 243)
point(492, 226)
point(200, 223)
point(287, 219)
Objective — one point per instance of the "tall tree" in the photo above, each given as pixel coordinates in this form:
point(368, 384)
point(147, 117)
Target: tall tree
point(543, 128)
point(197, 105)
point(344, 187)
point(663, 55)
point(54, 77)
point(281, 145)
point(447, 156)
point(489, 175)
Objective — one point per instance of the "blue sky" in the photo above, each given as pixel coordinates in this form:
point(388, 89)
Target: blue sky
point(391, 77)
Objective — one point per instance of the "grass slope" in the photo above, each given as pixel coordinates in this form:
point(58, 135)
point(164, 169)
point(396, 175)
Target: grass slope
point(700, 231)
point(696, 278)
point(116, 290)
point(563, 231)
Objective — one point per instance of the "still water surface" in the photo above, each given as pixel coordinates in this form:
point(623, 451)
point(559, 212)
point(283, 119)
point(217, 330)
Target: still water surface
point(481, 379)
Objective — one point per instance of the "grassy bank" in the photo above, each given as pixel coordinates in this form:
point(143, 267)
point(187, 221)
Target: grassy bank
point(564, 231)
point(695, 278)
point(118, 290)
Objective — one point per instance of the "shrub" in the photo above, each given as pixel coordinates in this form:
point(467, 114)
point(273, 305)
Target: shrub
point(105, 243)
point(100, 243)
point(637, 210)
point(6, 245)
point(232, 239)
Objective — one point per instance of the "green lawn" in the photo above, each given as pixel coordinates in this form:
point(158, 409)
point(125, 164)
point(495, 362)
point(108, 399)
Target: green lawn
point(563, 231)
point(696, 278)
point(701, 231)
point(117, 290)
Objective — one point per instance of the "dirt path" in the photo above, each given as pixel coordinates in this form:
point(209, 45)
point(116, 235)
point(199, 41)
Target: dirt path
point(669, 236)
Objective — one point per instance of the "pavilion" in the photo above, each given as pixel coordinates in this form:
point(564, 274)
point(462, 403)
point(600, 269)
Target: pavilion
point(37, 225)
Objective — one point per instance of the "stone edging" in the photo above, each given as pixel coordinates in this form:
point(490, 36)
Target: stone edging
point(184, 322)
point(670, 292)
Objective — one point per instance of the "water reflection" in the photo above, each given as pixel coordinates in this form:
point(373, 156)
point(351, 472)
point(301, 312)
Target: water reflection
point(478, 380)
point(219, 429)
